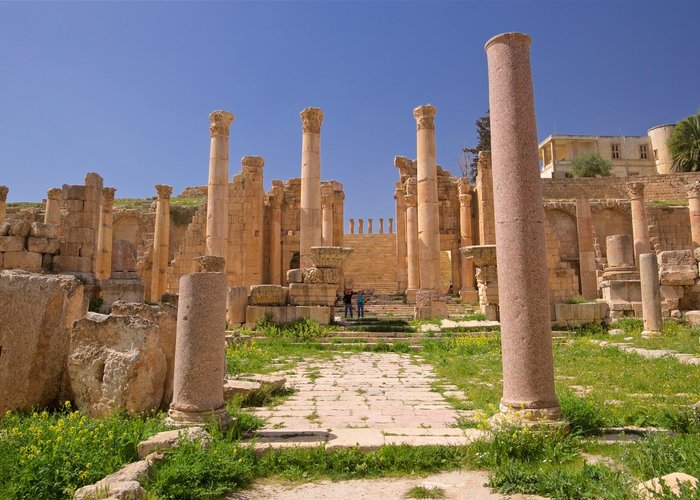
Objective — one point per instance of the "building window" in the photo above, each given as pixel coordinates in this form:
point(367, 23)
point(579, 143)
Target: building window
point(615, 151)
point(656, 154)
point(643, 152)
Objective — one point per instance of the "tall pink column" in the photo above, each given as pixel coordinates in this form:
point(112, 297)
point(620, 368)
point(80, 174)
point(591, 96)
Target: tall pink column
point(586, 252)
point(103, 264)
point(161, 240)
point(276, 199)
point(3, 202)
point(640, 228)
point(52, 214)
point(428, 207)
point(526, 335)
point(468, 291)
point(310, 233)
point(217, 189)
point(413, 264)
point(401, 262)
point(694, 212)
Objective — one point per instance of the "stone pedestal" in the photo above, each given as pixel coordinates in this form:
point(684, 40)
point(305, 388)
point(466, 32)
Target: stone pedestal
point(198, 389)
point(467, 293)
point(161, 239)
point(427, 197)
point(276, 199)
point(236, 302)
point(413, 269)
point(586, 252)
point(694, 212)
point(651, 294)
point(3, 203)
point(401, 262)
point(103, 268)
point(52, 215)
point(640, 227)
point(526, 336)
point(217, 188)
point(620, 286)
point(310, 233)
point(483, 258)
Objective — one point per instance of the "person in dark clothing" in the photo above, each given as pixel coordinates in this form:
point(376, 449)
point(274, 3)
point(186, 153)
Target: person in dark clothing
point(347, 301)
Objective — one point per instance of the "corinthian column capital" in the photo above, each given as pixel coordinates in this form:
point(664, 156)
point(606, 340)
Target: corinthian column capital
point(311, 119)
point(425, 117)
point(220, 122)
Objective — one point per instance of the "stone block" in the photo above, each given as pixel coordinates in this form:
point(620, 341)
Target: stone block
point(11, 243)
point(239, 388)
point(72, 264)
point(678, 275)
point(75, 219)
point(320, 314)
point(41, 230)
point(40, 245)
point(692, 317)
point(73, 205)
point(4, 228)
point(87, 250)
point(278, 314)
point(236, 302)
point(36, 313)
point(53, 247)
point(116, 362)
point(167, 440)
point(312, 275)
point(312, 294)
point(112, 490)
point(671, 292)
point(654, 488)
point(676, 258)
point(75, 192)
point(331, 275)
point(267, 295)
point(20, 228)
point(696, 254)
point(295, 276)
point(22, 260)
point(79, 234)
point(587, 312)
point(69, 249)
point(562, 312)
point(46, 261)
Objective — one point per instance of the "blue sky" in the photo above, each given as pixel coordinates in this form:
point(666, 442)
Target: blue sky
point(124, 89)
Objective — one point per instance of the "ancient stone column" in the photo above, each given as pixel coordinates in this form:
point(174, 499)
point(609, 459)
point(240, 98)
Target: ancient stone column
point(381, 226)
point(391, 225)
point(198, 386)
point(352, 226)
point(526, 335)
point(361, 226)
point(103, 265)
point(401, 262)
point(619, 250)
point(310, 234)
point(694, 212)
point(161, 238)
point(428, 207)
point(327, 215)
point(586, 252)
point(651, 294)
point(276, 199)
point(413, 264)
point(217, 189)
point(640, 228)
point(484, 186)
point(369, 226)
point(3, 202)
point(52, 215)
point(468, 291)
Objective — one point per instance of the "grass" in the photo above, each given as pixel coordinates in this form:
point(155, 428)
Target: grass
point(424, 492)
point(674, 335)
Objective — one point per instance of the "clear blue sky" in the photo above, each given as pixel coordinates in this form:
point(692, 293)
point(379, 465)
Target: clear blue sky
point(124, 89)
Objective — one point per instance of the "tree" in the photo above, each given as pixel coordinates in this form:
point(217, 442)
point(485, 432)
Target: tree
point(684, 145)
point(590, 165)
point(471, 155)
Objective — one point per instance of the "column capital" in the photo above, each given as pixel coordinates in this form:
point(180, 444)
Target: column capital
point(3, 193)
point(276, 196)
point(463, 186)
point(465, 199)
point(635, 190)
point(412, 186)
point(164, 191)
point(108, 194)
point(54, 194)
point(693, 189)
point(411, 200)
point(425, 117)
point(253, 161)
point(220, 122)
point(511, 38)
point(399, 193)
point(311, 119)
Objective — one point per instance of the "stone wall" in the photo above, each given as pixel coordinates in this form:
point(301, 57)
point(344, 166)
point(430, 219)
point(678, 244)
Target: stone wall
point(372, 264)
point(30, 247)
point(656, 187)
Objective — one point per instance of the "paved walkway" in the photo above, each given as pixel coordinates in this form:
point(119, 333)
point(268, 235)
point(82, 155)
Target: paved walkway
point(367, 399)
point(686, 359)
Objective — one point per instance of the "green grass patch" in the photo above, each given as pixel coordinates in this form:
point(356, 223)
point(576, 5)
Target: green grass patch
point(424, 492)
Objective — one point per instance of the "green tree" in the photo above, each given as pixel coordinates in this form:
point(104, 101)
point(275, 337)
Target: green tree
point(471, 155)
point(590, 165)
point(684, 145)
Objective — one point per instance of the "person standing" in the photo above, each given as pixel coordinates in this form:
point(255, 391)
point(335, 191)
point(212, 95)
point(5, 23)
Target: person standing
point(360, 304)
point(347, 301)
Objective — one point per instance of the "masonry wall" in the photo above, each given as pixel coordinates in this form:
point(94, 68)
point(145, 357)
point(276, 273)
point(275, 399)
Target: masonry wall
point(372, 264)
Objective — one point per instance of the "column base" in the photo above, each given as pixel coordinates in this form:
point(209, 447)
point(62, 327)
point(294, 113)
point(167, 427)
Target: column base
point(650, 334)
point(521, 416)
point(469, 296)
point(178, 419)
point(411, 295)
point(490, 311)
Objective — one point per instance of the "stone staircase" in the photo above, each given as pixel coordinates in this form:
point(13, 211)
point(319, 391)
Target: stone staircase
point(373, 258)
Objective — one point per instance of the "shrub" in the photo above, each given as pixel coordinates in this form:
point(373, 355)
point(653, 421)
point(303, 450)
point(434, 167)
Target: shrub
point(584, 417)
point(590, 165)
